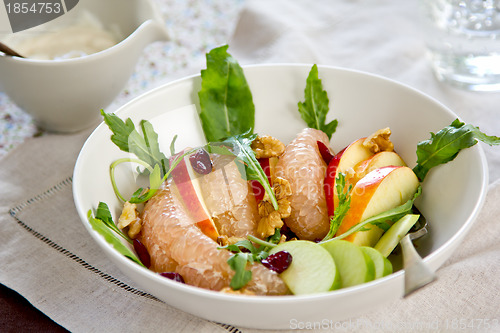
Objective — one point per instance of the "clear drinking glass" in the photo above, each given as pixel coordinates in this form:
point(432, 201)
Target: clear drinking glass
point(463, 38)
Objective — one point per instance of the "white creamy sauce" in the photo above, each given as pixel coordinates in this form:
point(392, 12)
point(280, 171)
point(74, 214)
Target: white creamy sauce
point(84, 37)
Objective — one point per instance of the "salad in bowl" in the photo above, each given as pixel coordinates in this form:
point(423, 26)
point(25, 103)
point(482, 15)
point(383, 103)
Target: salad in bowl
point(249, 207)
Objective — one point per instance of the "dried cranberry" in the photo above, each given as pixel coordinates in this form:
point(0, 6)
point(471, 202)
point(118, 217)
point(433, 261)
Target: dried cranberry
point(289, 234)
point(173, 276)
point(200, 161)
point(278, 261)
point(325, 152)
point(142, 252)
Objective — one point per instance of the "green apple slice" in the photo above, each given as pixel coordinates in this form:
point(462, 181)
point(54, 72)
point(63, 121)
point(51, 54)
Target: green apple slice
point(312, 269)
point(354, 266)
point(390, 239)
point(383, 266)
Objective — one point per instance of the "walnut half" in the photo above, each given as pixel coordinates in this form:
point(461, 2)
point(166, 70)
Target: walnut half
point(266, 146)
point(379, 141)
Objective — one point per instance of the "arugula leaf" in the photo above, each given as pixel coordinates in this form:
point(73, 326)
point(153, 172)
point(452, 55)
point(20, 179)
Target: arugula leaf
point(103, 214)
point(155, 181)
point(236, 246)
point(220, 148)
point(112, 168)
point(257, 253)
point(121, 129)
point(266, 244)
point(273, 239)
point(315, 107)
point(343, 206)
point(172, 145)
point(103, 228)
point(226, 102)
point(239, 260)
point(238, 263)
point(241, 147)
point(152, 148)
point(381, 220)
point(445, 145)
point(145, 146)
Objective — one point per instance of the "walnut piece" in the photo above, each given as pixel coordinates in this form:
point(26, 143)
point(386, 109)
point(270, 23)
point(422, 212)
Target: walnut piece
point(282, 239)
point(265, 207)
point(130, 218)
point(379, 141)
point(268, 224)
point(134, 228)
point(266, 146)
point(282, 188)
point(284, 208)
point(225, 240)
point(270, 218)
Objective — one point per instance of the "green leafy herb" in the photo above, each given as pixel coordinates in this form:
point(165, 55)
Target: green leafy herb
point(239, 261)
point(220, 148)
point(226, 102)
point(275, 238)
point(155, 181)
point(145, 146)
point(445, 145)
point(343, 206)
point(315, 107)
point(104, 225)
point(267, 244)
point(385, 219)
point(228, 113)
point(103, 214)
point(121, 130)
point(112, 168)
point(241, 147)
point(172, 145)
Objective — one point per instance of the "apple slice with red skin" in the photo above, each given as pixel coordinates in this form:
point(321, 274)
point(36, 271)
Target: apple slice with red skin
point(325, 152)
point(187, 183)
point(380, 190)
point(344, 160)
point(381, 159)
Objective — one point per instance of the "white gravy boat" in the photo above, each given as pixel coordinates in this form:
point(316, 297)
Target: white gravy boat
point(67, 95)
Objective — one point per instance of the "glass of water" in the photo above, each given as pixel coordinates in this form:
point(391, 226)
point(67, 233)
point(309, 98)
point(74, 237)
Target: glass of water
point(463, 38)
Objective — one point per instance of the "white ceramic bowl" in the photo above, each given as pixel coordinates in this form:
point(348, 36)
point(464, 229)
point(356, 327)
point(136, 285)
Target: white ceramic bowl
point(452, 194)
point(67, 95)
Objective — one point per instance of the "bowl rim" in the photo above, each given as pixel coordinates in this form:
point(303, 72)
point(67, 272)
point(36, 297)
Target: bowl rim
point(215, 295)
